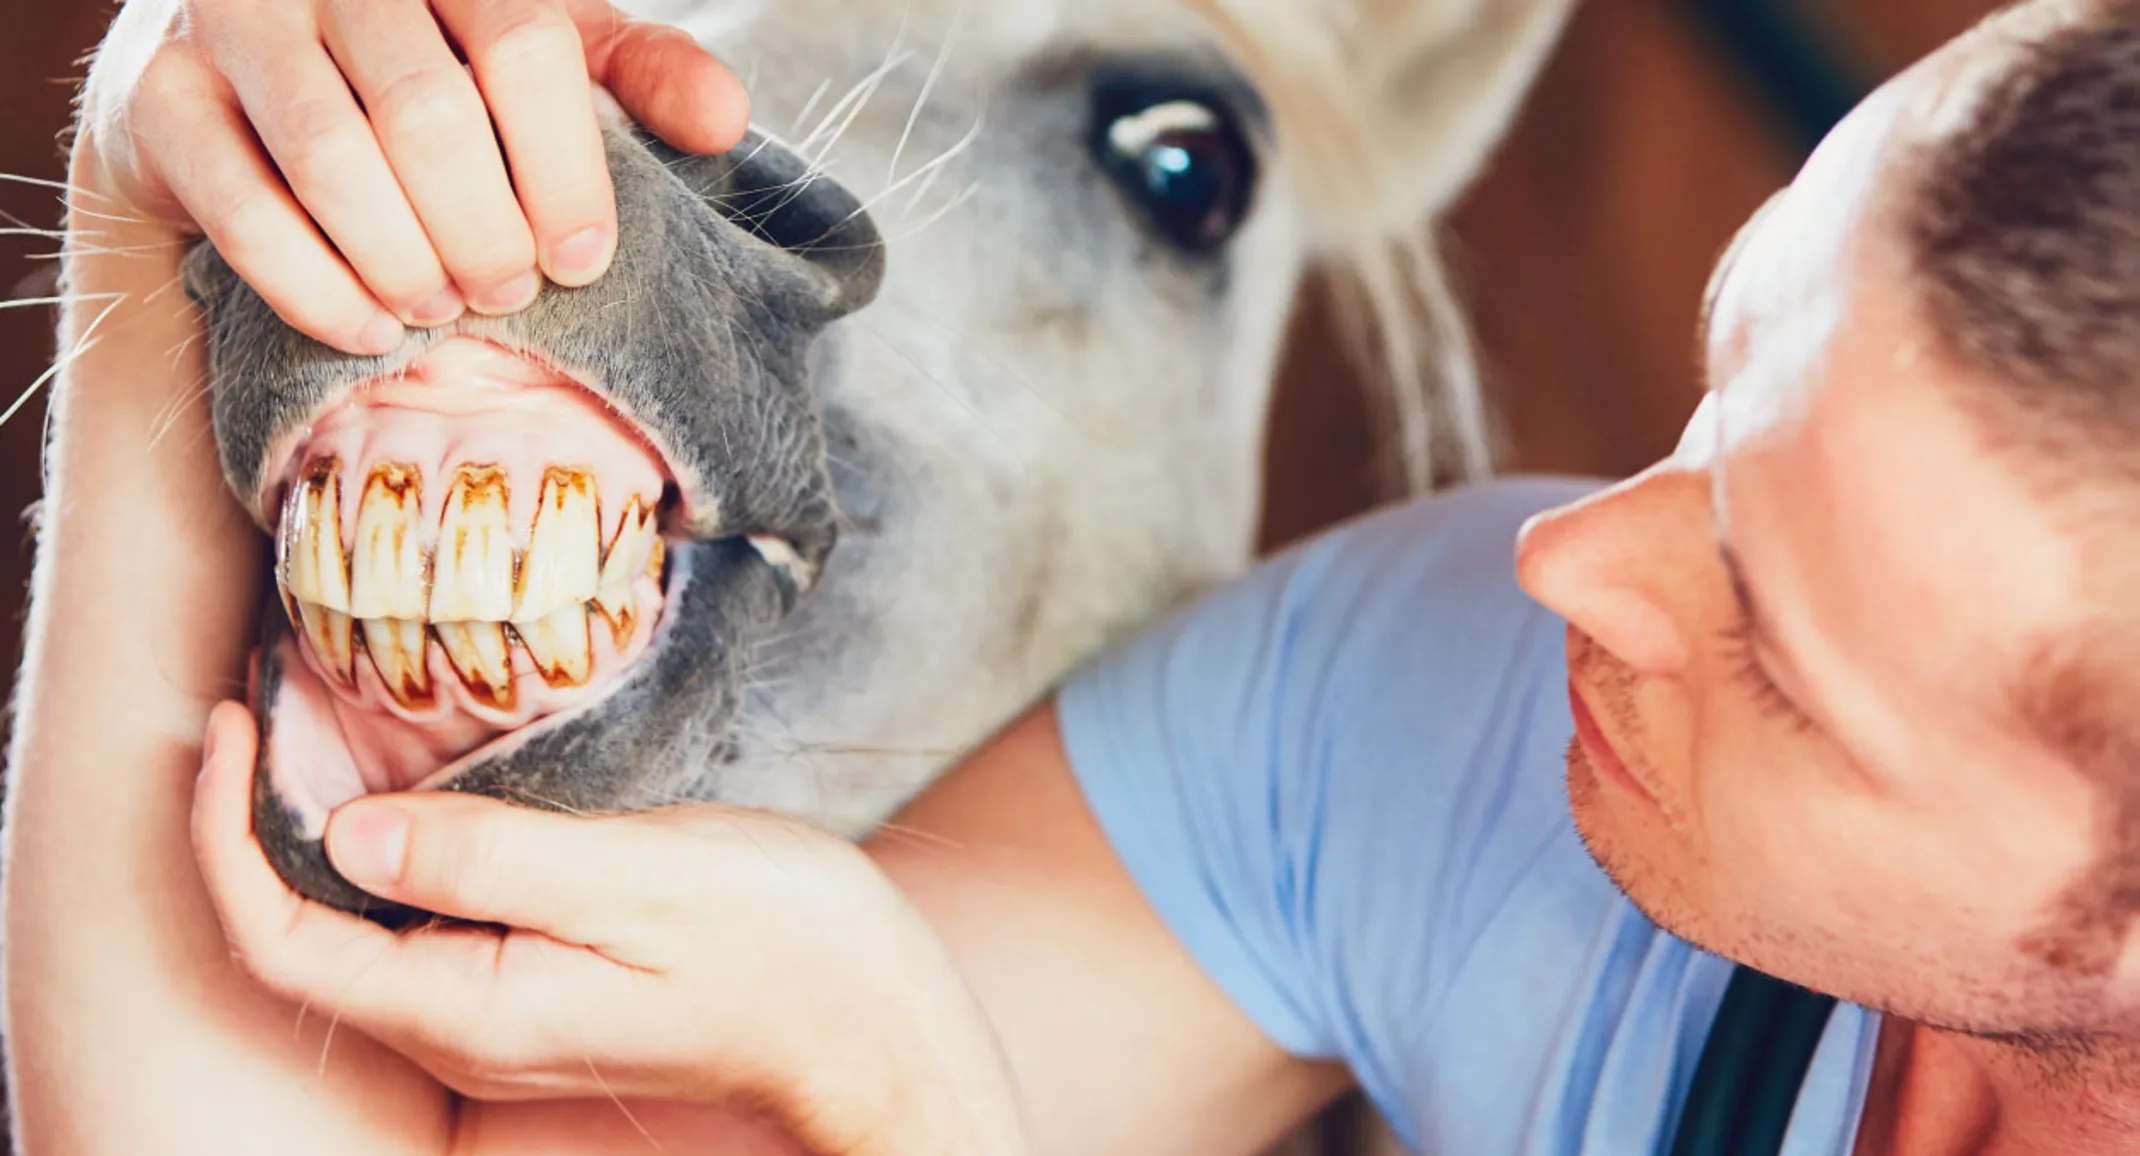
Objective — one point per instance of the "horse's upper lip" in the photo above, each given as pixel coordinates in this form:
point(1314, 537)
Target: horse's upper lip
point(489, 374)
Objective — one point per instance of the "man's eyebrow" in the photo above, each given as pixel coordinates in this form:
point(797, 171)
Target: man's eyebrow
point(1734, 249)
point(1705, 321)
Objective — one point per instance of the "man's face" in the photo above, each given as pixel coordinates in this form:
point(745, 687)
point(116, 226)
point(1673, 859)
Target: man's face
point(1795, 647)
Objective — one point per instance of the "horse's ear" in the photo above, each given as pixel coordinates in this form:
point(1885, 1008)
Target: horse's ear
point(1393, 105)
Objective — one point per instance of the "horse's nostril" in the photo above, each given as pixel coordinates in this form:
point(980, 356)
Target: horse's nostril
point(772, 193)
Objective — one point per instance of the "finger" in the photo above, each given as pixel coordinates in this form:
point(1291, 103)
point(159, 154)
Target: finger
point(664, 78)
point(310, 124)
point(258, 910)
point(187, 127)
point(579, 881)
point(609, 914)
point(388, 985)
point(528, 61)
point(430, 119)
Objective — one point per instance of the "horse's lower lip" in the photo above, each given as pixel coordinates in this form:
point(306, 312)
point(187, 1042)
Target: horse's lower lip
point(1599, 749)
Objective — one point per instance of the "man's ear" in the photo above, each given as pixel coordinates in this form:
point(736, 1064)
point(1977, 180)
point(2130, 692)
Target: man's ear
point(1389, 108)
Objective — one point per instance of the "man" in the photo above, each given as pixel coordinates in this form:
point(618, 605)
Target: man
point(1844, 680)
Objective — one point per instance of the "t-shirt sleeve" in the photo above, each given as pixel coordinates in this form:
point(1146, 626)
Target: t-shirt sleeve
point(1328, 776)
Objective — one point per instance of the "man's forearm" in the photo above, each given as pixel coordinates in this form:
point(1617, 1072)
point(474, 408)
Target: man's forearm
point(129, 1030)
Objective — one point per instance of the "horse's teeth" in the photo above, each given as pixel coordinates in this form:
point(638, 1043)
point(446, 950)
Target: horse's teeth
point(386, 573)
point(329, 632)
point(399, 650)
point(560, 646)
point(562, 567)
point(478, 653)
point(620, 610)
point(631, 548)
point(469, 585)
point(313, 565)
point(472, 568)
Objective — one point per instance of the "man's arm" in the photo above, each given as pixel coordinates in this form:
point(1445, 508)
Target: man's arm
point(129, 1030)
point(1119, 1041)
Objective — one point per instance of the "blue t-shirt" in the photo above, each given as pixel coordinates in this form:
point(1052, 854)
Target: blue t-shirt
point(1341, 782)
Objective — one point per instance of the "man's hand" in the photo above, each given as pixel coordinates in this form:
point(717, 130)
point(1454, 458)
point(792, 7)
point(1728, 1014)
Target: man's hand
point(347, 163)
point(702, 954)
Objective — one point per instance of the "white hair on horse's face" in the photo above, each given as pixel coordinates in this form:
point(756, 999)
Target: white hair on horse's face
point(1054, 410)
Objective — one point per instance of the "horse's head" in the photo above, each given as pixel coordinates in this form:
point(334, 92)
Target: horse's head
point(954, 371)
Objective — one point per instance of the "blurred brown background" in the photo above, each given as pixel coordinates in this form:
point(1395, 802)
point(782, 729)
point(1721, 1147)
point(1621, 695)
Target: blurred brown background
point(1658, 127)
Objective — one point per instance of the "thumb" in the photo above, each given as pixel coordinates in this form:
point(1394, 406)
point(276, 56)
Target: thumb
point(491, 862)
point(663, 78)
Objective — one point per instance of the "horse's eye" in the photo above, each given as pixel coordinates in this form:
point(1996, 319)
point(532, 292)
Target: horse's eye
point(1182, 164)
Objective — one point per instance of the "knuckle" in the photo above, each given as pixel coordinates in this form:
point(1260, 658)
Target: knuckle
point(324, 148)
point(171, 79)
point(427, 105)
point(471, 866)
point(527, 37)
point(242, 223)
point(504, 1054)
point(167, 73)
point(304, 122)
point(262, 958)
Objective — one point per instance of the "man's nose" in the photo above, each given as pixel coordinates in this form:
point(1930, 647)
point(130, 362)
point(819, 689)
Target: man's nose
point(1624, 565)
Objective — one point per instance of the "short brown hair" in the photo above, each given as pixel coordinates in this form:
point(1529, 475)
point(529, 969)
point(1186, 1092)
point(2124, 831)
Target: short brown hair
point(2020, 224)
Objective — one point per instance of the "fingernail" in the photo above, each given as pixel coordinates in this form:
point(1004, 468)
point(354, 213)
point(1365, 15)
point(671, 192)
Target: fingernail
point(511, 297)
point(369, 843)
point(444, 306)
point(381, 336)
point(580, 256)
